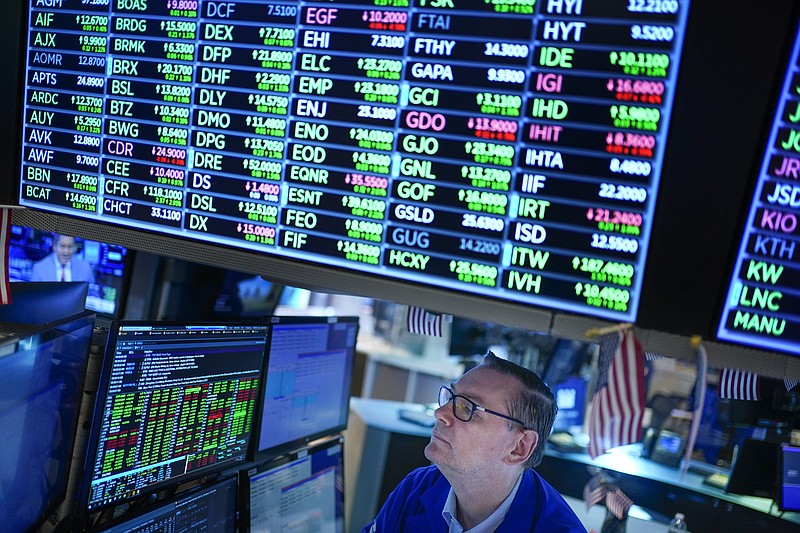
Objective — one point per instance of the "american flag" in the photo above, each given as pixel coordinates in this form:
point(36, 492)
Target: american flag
point(5, 235)
point(594, 491)
point(618, 404)
point(422, 322)
point(738, 385)
point(618, 503)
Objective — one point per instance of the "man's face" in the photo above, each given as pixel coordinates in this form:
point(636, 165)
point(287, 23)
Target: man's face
point(64, 248)
point(482, 443)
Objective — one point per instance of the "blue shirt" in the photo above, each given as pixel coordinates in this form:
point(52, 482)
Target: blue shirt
point(416, 506)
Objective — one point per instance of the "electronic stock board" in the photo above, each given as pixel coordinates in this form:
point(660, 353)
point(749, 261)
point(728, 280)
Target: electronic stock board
point(763, 303)
point(510, 149)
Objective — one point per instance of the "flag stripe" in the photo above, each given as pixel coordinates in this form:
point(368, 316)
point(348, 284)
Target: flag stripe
point(618, 503)
point(738, 385)
point(422, 322)
point(594, 491)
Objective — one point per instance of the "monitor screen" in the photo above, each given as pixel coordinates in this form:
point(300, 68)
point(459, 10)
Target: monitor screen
point(571, 401)
point(753, 472)
point(40, 302)
point(303, 491)
point(175, 401)
point(789, 478)
point(207, 509)
point(307, 389)
point(472, 337)
point(762, 307)
point(35, 255)
point(245, 296)
point(508, 150)
point(41, 387)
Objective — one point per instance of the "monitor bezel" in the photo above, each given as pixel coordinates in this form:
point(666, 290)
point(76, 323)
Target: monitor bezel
point(255, 452)
point(779, 500)
point(751, 455)
point(65, 492)
point(175, 499)
point(102, 394)
point(26, 297)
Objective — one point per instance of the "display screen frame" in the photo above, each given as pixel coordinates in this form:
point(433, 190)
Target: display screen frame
point(316, 447)
point(748, 310)
point(39, 341)
point(534, 320)
point(682, 228)
point(259, 451)
point(86, 502)
point(788, 502)
point(143, 519)
point(23, 255)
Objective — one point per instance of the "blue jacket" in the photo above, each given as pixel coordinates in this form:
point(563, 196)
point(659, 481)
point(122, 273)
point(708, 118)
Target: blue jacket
point(45, 270)
point(417, 502)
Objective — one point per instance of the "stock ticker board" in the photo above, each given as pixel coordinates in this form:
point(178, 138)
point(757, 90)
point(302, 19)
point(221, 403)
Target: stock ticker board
point(506, 148)
point(763, 304)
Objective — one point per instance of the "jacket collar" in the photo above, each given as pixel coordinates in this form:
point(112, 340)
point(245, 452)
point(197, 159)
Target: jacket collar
point(433, 501)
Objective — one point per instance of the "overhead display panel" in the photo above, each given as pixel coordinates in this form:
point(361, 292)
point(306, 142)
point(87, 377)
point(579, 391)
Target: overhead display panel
point(762, 307)
point(510, 149)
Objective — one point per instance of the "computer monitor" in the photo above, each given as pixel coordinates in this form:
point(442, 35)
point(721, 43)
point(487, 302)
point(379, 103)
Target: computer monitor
point(206, 508)
point(42, 373)
point(307, 390)
point(472, 337)
point(104, 266)
point(245, 296)
point(754, 471)
point(43, 302)
point(175, 401)
point(302, 491)
point(789, 478)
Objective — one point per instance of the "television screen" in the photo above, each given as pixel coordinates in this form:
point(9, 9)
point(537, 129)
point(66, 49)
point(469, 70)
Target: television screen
point(208, 508)
point(307, 389)
point(506, 150)
point(35, 255)
point(175, 401)
point(302, 491)
point(789, 478)
point(42, 372)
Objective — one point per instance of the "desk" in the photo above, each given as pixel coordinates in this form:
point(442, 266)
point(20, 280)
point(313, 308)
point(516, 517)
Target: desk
point(380, 449)
point(663, 491)
point(404, 377)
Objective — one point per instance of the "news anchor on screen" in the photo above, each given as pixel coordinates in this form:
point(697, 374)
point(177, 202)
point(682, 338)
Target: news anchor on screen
point(61, 265)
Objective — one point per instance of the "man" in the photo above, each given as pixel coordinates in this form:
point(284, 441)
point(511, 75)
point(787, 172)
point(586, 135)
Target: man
point(490, 430)
point(61, 265)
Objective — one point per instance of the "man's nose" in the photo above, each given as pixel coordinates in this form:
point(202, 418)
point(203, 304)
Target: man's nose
point(444, 414)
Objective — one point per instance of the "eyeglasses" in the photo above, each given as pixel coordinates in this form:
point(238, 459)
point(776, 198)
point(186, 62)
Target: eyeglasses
point(464, 408)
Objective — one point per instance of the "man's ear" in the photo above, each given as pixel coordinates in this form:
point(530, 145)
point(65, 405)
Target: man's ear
point(526, 443)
